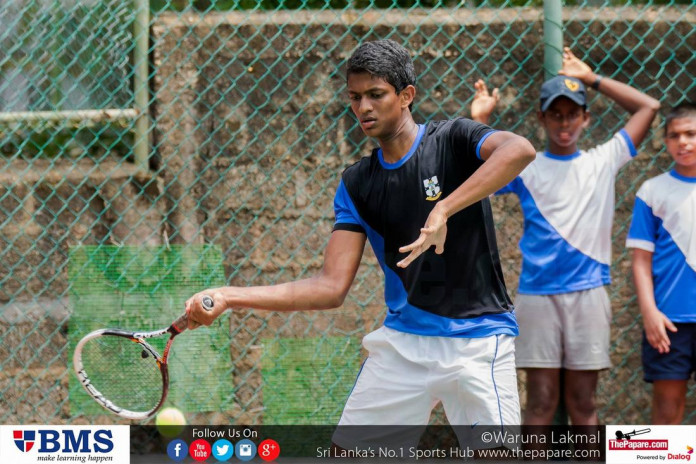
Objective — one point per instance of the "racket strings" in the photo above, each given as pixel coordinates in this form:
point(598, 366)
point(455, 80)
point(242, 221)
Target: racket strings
point(123, 371)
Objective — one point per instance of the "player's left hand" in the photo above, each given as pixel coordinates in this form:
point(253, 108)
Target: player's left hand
point(433, 233)
point(575, 67)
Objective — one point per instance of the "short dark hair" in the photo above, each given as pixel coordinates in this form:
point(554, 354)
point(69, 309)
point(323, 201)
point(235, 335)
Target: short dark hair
point(685, 109)
point(385, 59)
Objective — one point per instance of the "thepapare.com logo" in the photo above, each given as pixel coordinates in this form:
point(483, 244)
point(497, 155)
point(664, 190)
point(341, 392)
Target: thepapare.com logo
point(83, 444)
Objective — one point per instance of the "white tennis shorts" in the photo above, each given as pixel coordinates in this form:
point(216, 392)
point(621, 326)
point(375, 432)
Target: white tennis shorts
point(406, 375)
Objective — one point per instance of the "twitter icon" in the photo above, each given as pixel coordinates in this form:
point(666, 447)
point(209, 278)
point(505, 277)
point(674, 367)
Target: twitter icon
point(223, 450)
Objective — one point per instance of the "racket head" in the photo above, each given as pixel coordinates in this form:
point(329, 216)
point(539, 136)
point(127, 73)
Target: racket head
point(122, 372)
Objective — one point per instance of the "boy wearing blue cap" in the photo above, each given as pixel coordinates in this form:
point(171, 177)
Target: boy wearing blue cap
point(567, 198)
point(664, 269)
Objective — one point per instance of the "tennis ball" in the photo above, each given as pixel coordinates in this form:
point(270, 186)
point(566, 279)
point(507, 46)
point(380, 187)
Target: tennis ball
point(170, 422)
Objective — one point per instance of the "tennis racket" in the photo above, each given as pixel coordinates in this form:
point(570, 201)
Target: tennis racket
point(124, 373)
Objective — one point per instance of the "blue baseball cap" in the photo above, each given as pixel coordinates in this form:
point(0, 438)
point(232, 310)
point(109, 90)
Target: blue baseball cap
point(563, 86)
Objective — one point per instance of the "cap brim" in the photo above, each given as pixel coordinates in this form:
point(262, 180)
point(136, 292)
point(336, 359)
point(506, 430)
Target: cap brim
point(574, 97)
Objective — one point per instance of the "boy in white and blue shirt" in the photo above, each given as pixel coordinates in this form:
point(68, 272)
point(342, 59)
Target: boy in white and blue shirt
point(567, 197)
point(663, 236)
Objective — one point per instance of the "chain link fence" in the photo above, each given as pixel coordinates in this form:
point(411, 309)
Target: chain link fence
point(248, 132)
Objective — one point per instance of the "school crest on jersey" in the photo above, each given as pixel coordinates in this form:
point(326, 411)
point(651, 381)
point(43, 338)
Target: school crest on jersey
point(432, 188)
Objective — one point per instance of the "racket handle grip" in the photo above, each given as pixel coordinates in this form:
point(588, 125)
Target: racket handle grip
point(180, 324)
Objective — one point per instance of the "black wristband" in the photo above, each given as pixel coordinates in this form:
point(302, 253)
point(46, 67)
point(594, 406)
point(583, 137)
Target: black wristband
point(595, 84)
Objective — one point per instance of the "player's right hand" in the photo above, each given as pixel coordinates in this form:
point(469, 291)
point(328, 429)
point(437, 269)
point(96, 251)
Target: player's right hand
point(656, 325)
point(198, 315)
point(575, 67)
point(484, 102)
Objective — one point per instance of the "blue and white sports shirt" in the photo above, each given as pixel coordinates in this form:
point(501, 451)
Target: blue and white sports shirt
point(664, 223)
point(568, 207)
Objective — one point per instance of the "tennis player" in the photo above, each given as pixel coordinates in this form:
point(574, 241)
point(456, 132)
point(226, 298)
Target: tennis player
point(421, 200)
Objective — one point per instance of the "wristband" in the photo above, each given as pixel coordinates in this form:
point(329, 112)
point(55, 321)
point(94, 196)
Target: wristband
point(595, 84)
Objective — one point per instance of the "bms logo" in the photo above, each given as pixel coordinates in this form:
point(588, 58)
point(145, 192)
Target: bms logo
point(65, 441)
point(24, 439)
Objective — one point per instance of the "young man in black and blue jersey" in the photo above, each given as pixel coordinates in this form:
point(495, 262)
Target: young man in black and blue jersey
point(421, 198)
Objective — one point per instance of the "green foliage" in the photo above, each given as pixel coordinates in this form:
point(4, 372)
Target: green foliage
point(307, 380)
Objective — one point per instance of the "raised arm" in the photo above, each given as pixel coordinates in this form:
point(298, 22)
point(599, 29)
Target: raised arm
point(505, 155)
point(484, 102)
point(642, 107)
point(325, 290)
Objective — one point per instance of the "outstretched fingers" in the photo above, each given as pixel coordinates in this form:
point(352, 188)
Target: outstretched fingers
point(481, 88)
point(416, 249)
point(426, 239)
point(483, 92)
point(568, 54)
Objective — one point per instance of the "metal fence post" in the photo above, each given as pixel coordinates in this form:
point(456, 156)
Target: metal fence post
point(553, 37)
point(141, 35)
point(553, 61)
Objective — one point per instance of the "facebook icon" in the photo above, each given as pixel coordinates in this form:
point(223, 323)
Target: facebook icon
point(177, 450)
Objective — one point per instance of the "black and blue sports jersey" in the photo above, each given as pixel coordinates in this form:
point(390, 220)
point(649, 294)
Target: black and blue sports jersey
point(460, 293)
